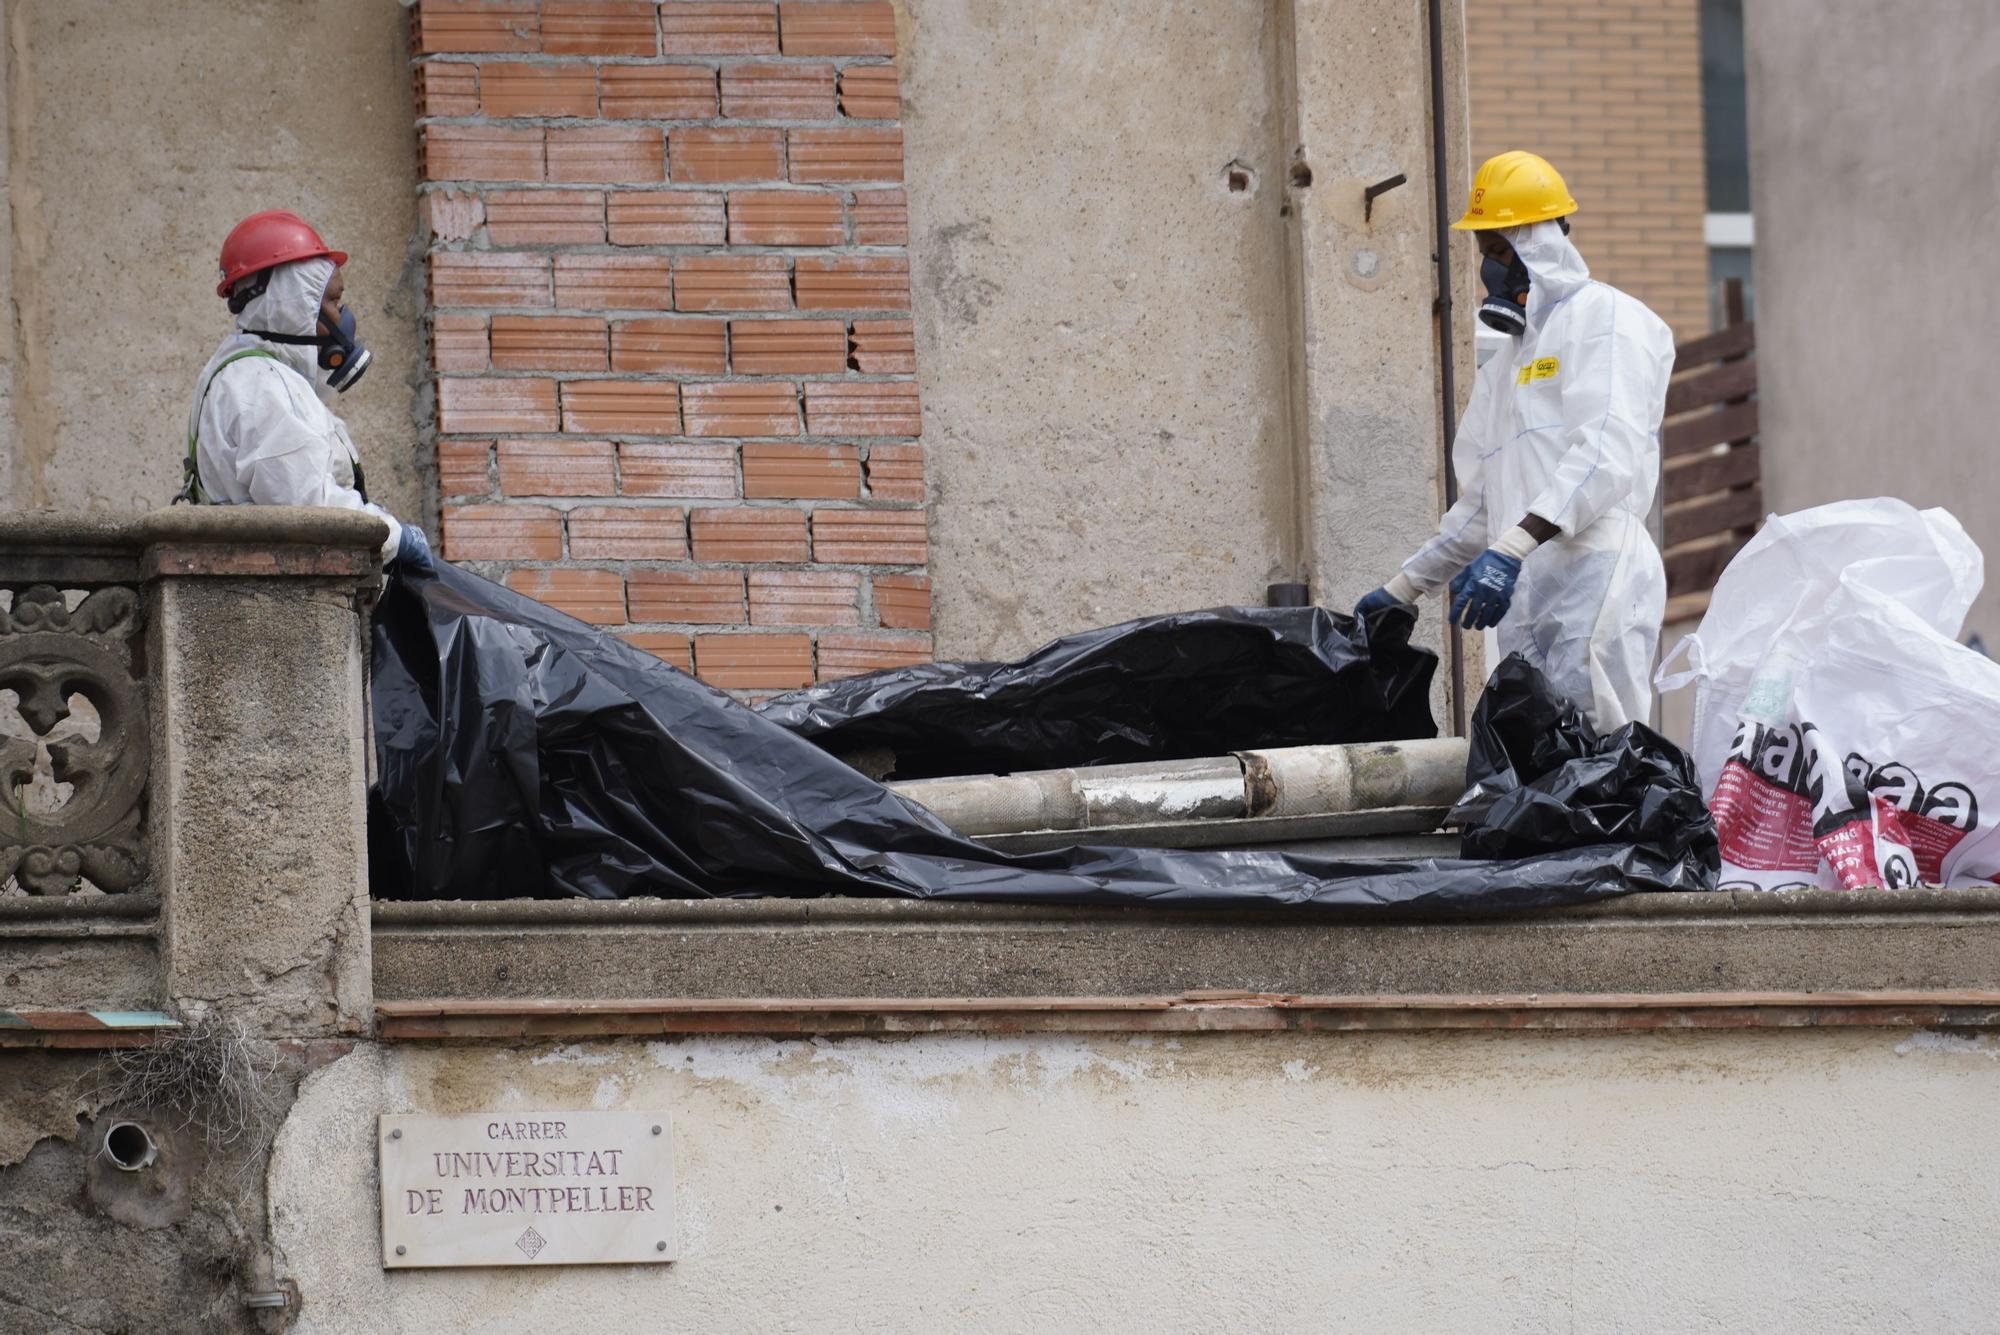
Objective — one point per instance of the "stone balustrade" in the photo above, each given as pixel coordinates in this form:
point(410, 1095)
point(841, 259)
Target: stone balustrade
point(183, 756)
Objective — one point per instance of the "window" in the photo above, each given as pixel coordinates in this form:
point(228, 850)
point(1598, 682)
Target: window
point(1730, 228)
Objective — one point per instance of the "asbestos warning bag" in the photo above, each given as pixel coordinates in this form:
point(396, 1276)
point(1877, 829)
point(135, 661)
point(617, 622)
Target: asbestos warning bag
point(1840, 729)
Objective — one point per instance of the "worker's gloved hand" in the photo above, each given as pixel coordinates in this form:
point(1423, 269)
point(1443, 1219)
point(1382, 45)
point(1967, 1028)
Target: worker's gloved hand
point(413, 552)
point(1374, 602)
point(1481, 593)
point(1398, 592)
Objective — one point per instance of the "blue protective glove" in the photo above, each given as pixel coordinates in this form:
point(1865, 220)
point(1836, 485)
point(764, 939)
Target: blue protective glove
point(413, 551)
point(1374, 602)
point(1482, 592)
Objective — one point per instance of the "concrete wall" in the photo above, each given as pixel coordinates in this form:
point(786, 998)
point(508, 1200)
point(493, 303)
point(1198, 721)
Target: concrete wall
point(1771, 1182)
point(1871, 176)
point(1144, 391)
point(137, 137)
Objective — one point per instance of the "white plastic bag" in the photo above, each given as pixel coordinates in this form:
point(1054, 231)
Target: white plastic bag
point(1841, 732)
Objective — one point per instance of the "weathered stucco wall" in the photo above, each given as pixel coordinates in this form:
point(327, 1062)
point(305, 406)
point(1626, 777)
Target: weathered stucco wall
point(1139, 384)
point(137, 138)
point(1771, 1181)
point(1875, 198)
point(1102, 322)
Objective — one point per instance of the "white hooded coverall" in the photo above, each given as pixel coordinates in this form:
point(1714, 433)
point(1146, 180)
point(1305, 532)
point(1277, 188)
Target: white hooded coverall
point(263, 432)
point(1567, 428)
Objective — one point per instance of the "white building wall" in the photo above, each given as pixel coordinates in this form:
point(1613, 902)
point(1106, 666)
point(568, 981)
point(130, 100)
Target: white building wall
point(1794, 1181)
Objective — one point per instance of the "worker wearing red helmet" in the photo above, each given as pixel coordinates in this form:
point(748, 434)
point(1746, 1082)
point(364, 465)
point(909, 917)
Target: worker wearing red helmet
point(262, 430)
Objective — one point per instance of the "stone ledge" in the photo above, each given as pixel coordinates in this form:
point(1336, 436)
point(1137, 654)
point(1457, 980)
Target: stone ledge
point(240, 541)
point(492, 1018)
point(1931, 947)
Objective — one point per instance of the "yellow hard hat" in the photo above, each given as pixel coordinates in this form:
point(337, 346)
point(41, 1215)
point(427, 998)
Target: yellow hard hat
point(1513, 190)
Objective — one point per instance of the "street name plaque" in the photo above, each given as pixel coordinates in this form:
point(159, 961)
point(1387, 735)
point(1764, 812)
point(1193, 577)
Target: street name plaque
point(526, 1188)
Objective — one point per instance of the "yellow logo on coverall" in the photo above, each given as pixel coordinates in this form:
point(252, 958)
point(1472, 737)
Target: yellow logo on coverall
point(1542, 368)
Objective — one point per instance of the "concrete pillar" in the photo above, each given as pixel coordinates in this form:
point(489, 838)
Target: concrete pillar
point(258, 799)
point(1368, 349)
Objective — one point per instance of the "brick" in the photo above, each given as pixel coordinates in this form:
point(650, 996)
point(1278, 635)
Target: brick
point(787, 347)
point(733, 283)
point(669, 344)
point(853, 282)
point(691, 597)
point(453, 215)
point(465, 467)
point(706, 155)
point(469, 278)
point(801, 472)
point(719, 29)
point(850, 653)
point(699, 469)
point(628, 533)
point(903, 602)
point(778, 92)
point(502, 533)
point(458, 342)
point(883, 347)
point(837, 29)
point(896, 473)
point(742, 408)
point(820, 157)
point(805, 598)
point(481, 153)
point(666, 218)
point(558, 468)
point(622, 407)
point(785, 218)
point(656, 92)
point(613, 282)
point(617, 154)
point(545, 217)
point(744, 533)
point(754, 662)
point(599, 28)
point(447, 88)
point(870, 93)
point(670, 647)
point(596, 596)
point(510, 89)
point(474, 405)
point(881, 218)
point(870, 537)
point(475, 25)
point(863, 408)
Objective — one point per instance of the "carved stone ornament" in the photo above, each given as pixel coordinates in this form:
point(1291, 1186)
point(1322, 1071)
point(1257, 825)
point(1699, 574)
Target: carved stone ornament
point(49, 653)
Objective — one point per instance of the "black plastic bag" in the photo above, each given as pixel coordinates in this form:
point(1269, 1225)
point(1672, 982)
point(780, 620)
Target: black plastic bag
point(525, 754)
point(1543, 780)
point(1161, 688)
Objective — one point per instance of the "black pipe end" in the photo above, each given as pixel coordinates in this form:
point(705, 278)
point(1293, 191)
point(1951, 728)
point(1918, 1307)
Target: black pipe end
point(1287, 595)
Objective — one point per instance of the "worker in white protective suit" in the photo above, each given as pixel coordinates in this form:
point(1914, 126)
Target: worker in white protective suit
point(1557, 458)
point(260, 430)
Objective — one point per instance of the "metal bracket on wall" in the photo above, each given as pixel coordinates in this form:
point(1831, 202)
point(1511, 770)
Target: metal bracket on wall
point(1382, 187)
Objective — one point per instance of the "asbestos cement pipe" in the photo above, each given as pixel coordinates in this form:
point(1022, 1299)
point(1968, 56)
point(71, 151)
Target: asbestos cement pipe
point(1287, 781)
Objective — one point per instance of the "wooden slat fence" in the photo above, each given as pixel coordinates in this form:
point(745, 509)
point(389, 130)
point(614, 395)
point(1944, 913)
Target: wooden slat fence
point(1711, 478)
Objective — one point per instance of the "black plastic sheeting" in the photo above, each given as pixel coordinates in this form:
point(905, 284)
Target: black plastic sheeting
point(1546, 781)
point(1161, 688)
point(525, 754)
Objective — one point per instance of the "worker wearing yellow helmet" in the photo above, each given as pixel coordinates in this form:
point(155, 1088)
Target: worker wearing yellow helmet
point(1557, 458)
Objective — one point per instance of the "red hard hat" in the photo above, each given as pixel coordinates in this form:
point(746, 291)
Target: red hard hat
point(264, 239)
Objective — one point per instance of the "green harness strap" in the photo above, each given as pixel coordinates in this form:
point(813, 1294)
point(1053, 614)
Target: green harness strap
point(191, 490)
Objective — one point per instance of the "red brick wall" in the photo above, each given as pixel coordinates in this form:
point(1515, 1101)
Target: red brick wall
point(1610, 92)
point(669, 318)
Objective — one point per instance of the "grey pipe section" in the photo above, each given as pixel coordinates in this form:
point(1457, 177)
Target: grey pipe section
point(1287, 781)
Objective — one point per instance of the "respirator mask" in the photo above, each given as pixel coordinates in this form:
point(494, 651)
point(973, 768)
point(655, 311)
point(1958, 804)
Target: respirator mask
point(341, 355)
point(1506, 304)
